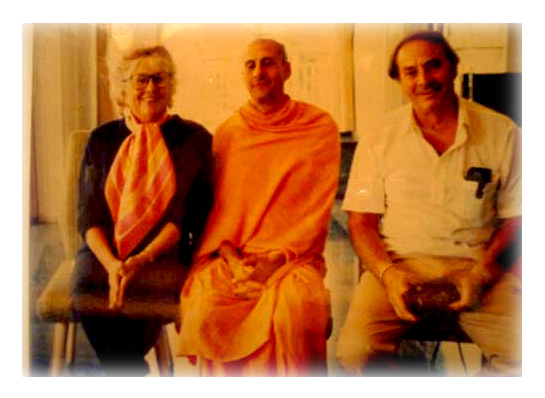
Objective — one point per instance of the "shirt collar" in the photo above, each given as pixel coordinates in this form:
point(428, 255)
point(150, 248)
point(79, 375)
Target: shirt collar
point(463, 128)
point(462, 131)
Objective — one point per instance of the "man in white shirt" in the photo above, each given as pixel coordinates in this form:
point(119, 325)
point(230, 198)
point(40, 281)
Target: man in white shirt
point(434, 194)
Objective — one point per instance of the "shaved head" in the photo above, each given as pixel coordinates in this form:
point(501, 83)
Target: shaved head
point(273, 44)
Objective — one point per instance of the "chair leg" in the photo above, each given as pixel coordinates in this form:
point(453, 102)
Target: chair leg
point(71, 346)
point(162, 352)
point(433, 360)
point(58, 356)
point(462, 357)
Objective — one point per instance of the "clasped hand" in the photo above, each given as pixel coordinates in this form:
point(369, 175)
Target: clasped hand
point(397, 282)
point(469, 285)
point(250, 271)
point(119, 276)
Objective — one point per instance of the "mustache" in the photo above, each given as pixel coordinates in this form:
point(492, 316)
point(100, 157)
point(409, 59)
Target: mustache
point(433, 85)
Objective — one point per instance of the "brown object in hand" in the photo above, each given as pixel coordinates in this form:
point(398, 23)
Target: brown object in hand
point(431, 299)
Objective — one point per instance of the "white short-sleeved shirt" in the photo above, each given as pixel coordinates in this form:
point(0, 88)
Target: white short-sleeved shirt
point(427, 205)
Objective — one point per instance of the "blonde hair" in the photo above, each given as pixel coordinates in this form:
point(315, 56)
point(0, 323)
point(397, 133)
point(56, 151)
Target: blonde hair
point(128, 63)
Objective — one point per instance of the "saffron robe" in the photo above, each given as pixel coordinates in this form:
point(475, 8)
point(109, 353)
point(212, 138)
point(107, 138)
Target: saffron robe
point(275, 183)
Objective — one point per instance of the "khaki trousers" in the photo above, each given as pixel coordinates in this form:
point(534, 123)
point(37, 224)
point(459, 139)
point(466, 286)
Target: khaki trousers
point(372, 330)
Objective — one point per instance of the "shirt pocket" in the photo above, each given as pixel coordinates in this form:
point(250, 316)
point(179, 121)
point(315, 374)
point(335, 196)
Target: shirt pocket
point(469, 205)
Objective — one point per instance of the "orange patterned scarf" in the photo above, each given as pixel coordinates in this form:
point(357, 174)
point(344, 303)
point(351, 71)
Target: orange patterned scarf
point(140, 184)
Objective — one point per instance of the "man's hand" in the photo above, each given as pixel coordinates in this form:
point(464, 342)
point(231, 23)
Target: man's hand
point(234, 260)
point(248, 289)
point(250, 271)
point(368, 245)
point(264, 264)
point(397, 282)
point(486, 272)
point(469, 285)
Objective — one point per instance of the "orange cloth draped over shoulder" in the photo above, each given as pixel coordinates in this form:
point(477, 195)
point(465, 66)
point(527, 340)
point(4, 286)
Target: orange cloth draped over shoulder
point(276, 179)
point(140, 184)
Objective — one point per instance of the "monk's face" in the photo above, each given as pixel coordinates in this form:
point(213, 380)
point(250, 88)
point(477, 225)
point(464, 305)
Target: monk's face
point(426, 75)
point(265, 71)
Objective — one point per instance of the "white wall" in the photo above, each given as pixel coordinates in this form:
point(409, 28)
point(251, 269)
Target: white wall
point(339, 67)
point(210, 82)
point(375, 93)
point(210, 67)
point(482, 48)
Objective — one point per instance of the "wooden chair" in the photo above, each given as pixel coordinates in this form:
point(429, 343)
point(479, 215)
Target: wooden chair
point(58, 306)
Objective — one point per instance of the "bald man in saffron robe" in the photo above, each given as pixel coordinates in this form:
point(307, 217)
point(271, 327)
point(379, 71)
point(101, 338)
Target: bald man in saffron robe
point(255, 303)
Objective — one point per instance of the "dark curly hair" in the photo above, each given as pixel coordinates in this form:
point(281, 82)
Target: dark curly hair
point(428, 35)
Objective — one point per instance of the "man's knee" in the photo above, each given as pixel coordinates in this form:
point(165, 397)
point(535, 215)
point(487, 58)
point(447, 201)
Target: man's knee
point(355, 349)
point(300, 299)
point(352, 355)
point(306, 317)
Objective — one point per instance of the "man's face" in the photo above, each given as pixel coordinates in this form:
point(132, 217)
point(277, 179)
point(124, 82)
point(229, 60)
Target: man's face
point(425, 74)
point(265, 72)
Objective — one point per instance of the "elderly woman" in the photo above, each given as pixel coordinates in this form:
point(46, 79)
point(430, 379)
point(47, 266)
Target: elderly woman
point(144, 194)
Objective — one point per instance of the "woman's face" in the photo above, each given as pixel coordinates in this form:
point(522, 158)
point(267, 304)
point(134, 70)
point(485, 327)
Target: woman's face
point(148, 90)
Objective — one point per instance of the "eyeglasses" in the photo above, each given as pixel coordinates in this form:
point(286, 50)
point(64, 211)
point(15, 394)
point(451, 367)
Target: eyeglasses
point(140, 81)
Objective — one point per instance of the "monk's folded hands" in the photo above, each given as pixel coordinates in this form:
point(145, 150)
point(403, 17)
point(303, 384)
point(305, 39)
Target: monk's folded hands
point(233, 258)
point(264, 264)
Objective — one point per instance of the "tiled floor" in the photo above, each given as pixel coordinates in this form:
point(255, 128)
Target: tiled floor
point(46, 253)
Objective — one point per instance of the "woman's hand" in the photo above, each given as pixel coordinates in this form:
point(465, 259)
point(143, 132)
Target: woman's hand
point(114, 280)
point(164, 241)
point(127, 271)
point(133, 264)
point(97, 242)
